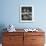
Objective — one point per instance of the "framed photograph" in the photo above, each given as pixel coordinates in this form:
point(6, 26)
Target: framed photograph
point(26, 13)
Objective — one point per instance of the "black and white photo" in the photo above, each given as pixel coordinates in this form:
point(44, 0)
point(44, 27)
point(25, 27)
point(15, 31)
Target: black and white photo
point(26, 13)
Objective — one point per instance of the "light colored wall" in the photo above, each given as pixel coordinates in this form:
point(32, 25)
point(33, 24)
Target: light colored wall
point(10, 13)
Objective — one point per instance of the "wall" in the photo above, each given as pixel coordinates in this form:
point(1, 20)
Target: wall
point(10, 13)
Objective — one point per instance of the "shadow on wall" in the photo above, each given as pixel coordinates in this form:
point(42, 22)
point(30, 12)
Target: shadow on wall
point(2, 26)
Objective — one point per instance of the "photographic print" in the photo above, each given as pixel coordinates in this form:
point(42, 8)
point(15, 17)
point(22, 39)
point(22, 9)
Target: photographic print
point(26, 13)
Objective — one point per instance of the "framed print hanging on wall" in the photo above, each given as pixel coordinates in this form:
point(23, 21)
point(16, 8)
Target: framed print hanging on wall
point(26, 13)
